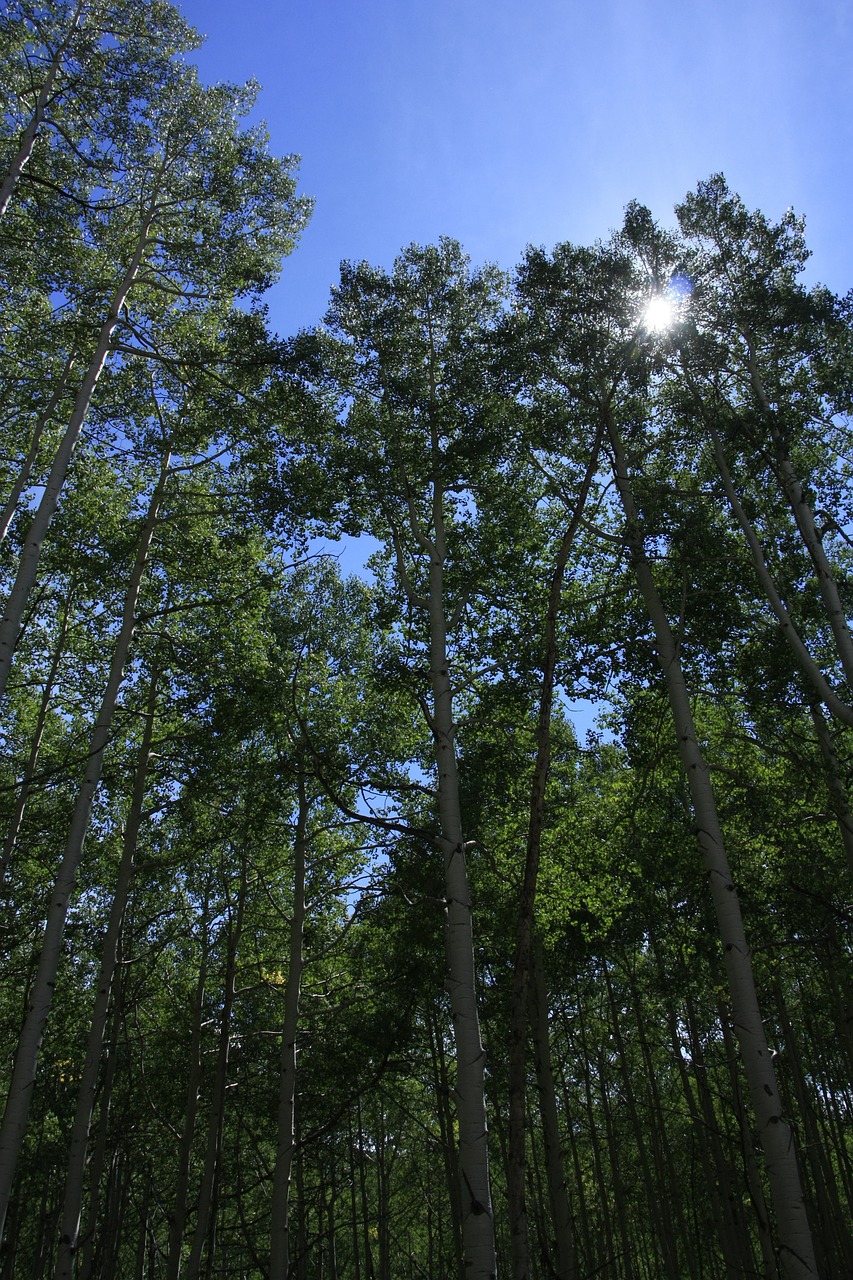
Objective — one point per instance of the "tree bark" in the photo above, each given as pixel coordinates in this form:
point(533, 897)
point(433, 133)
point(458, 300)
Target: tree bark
point(795, 494)
point(810, 669)
point(205, 1220)
point(561, 1211)
point(777, 1137)
point(178, 1215)
point(834, 780)
point(97, 1164)
point(17, 818)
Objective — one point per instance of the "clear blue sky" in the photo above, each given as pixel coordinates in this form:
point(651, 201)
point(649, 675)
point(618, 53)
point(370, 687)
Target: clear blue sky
point(504, 123)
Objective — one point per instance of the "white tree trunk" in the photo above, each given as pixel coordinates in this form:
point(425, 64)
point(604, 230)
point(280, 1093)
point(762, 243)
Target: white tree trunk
point(27, 141)
point(10, 626)
point(477, 1220)
point(775, 1132)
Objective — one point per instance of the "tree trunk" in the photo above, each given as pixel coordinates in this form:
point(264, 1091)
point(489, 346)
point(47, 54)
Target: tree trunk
point(777, 1138)
point(17, 818)
point(16, 1112)
point(445, 1126)
point(477, 1224)
point(280, 1205)
point(809, 667)
point(753, 1176)
point(205, 1220)
point(795, 494)
point(178, 1216)
point(27, 141)
point(658, 1211)
point(70, 1222)
point(727, 1241)
point(98, 1161)
point(834, 780)
point(29, 462)
point(561, 1211)
point(520, 996)
point(10, 627)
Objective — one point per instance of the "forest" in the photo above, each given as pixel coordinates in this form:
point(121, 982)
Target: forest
point(331, 950)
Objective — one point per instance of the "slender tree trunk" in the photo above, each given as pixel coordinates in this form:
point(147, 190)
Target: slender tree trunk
point(477, 1222)
point(519, 999)
point(751, 1170)
point(29, 462)
point(795, 494)
point(728, 1243)
point(627, 1250)
point(658, 1212)
point(27, 140)
point(10, 627)
point(178, 1216)
point(14, 1122)
point(670, 1196)
point(560, 1207)
point(353, 1202)
point(445, 1125)
point(777, 1138)
point(98, 1162)
point(600, 1193)
point(205, 1220)
point(365, 1205)
point(280, 1206)
point(834, 780)
point(70, 1222)
point(835, 1234)
point(809, 667)
point(828, 587)
point(17, 818)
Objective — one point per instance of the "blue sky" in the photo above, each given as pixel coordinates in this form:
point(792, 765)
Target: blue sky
point(512, 122)
point(507, 123)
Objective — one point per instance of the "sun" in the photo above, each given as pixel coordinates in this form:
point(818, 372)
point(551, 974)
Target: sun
point(659, 314)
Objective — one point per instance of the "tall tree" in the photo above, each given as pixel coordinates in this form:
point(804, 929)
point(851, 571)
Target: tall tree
point(601, 297)
point(419, 450)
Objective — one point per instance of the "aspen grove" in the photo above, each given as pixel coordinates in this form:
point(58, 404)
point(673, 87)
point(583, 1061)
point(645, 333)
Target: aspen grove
point(331, 949)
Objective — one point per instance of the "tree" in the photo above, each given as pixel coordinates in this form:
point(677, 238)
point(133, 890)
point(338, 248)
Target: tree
point(420, 460)
point(599, 354)
point(205, 215)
